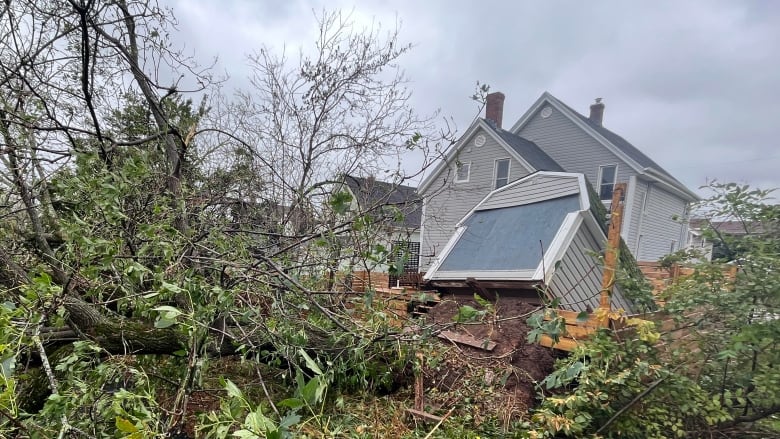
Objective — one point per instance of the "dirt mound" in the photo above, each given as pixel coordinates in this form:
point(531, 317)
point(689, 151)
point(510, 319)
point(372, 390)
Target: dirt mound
point(501, 381)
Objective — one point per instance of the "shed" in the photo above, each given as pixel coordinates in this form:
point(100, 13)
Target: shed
point(536, 236)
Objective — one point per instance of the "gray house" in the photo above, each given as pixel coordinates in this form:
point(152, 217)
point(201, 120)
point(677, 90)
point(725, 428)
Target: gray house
point(551, 136)
point(537, 233)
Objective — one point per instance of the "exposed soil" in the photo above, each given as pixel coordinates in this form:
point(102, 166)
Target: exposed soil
point(501, 381)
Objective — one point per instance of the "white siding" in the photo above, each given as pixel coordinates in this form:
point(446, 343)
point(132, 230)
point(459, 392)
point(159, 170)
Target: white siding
point(447, 202)
point(661, 232)
point(539, 188)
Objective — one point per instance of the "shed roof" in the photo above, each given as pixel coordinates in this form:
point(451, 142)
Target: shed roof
point(520, 232)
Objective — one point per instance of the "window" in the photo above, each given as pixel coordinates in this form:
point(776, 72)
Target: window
point(462, 173)
point(607, 177)
point(501, 173)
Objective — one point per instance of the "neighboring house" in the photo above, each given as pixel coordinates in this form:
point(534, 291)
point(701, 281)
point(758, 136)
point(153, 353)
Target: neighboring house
point(551, 136)
point(396, 209)
point(535, 234)
point(718, 231)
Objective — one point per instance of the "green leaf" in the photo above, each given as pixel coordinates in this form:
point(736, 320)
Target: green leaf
point(312, 391)
point(291, 403)
point(167, 309)
point(232, 390)
point(467, 313)
point(310, 363)
point(289, 420)
point(259, 422)
point(583, 317)
point(125, 426)
point(340, 202)
point(245, 434)
point(163, 323)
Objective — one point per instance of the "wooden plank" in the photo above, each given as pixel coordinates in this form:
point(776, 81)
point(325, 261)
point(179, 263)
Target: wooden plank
point(579, 332)
point(571, 319)
point(564, 343)
point(468, 340)
point(424, 416)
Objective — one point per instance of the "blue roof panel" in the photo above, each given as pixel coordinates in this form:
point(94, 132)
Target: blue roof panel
point(509, 238)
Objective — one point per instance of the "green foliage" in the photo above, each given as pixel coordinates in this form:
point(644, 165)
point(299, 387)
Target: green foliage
point(720, 379)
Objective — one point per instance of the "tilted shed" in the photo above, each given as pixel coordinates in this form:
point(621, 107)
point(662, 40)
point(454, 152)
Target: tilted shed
point(534, 237)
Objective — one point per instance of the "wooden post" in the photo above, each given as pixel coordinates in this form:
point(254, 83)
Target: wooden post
point(613, 244)
point(419, 402)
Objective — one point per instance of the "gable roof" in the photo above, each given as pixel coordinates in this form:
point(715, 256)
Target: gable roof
point(621, 147)
point(371, 194)
point(512, 235)
point(527, 149)
point(524, 151)
point(727, 227)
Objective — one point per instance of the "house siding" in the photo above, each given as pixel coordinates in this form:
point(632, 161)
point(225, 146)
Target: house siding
point(573, 148)
point(632, 235)
point(535, 189)
point(577, 281)
point(447, 202)
point(650, 233)
point(659, 229)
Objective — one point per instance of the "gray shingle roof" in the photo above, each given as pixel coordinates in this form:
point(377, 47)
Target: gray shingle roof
point(624, 145)
point(372, 194)
point(527, 149)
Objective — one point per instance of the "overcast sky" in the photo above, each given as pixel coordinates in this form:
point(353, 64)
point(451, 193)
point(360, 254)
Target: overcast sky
point(695, 85)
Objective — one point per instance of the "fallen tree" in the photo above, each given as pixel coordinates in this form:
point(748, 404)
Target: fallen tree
point(145, 234)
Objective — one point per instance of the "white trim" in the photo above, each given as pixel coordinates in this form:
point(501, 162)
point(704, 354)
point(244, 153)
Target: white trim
point(642, 215)
point(663, 179)
point(447, 158)
point(558, 246)
point(548, 98)
point(444, 252)
point(527, 275)
point(459, 165)
point(422, 234)
point(508, 170)
point(614, 182)
point(463, 141)
point(584, 200)
point(584, 195)
point(625, 230)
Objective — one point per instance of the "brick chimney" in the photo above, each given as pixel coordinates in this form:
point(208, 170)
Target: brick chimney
point(597, 112)
point(494, 107)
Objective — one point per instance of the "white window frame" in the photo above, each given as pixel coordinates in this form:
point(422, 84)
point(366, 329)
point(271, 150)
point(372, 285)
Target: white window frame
point(495, 171)
point(614, 181)
point(457, 171)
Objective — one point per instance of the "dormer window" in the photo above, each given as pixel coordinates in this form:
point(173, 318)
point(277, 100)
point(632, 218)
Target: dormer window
point(607, 179)
point(501, 173)
point(462, 172)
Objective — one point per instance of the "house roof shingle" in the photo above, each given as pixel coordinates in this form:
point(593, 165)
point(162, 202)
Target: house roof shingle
point(624, 145)
point(372, 194)
point(527, 149)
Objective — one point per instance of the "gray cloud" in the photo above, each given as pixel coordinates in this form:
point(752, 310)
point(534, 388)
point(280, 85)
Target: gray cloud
point(693, 84)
